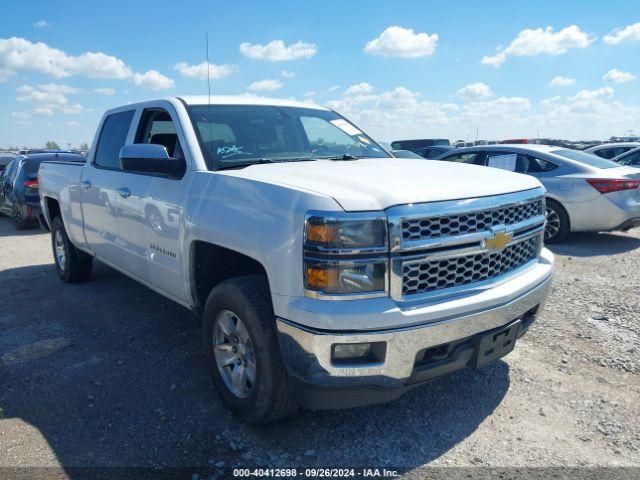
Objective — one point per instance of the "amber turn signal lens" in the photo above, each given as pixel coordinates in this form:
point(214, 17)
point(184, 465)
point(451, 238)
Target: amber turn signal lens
point(323, 233)
point(321, 278)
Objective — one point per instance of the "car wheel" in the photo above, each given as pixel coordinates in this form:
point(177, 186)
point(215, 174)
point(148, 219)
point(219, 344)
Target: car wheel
point(72, 264)
point(17, 218)
point(242, 352)
point(557, 227)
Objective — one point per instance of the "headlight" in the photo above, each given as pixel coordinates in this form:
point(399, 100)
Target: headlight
point(345, 255)
point(337, 234)
point(337, 277)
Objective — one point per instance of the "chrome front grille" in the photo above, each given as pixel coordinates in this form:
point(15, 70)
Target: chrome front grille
point(434, 227)
point(430, 275)
point(448, 248)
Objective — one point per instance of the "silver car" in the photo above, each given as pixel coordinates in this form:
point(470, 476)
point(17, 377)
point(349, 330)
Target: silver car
point(584, 192)
point(610, 150)
point(630, 159)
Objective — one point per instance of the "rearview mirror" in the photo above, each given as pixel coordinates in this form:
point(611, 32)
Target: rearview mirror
point(149, 158)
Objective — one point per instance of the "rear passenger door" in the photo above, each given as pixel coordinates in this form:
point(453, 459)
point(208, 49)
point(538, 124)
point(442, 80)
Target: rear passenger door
point(151, 220)
point(101, 178)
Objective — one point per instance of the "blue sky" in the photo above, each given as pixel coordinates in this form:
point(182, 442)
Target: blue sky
point(398, 69)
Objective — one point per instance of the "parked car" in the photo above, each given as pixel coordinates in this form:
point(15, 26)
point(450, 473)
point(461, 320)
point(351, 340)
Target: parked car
point(20, 195)
point(413, 145)
point(631, 158)
point(435, 151)
point(516, 141)
point(404, 154)
point(327, 274)
point(584, 192)
point(5, 158)
point(611, 150)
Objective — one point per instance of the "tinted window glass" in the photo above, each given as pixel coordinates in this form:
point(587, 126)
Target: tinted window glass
point(158, 128)
point(632, 159)
point(539, 165)
point(473, 158)
point(112, 138)
point(583, 157)
point(239, 135)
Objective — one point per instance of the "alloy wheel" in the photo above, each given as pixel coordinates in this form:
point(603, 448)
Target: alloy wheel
point(553, 224)
point(60, 252)
point(234, 354)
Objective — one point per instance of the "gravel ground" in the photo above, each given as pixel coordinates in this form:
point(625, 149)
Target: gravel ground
point(109, 373)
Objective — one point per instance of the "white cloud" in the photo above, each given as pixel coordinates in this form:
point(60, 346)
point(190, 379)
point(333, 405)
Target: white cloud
point(277, 50)
point(45, 93)
point(287, 74)
point(42, 24)
point(358, 89)
point(605, 92)
point(72, 124)
point(401, 112)
point(333, 88)
point(309, 94)
point(531, 42)
point(561, 81)
point(397, 41)
point(617, 76)
point(268, 84)
point(475, 91)
point(153, 80)
point(48, 99)
point(109, 92)
point(630, 33)
point(200, 70)
point(19, 54)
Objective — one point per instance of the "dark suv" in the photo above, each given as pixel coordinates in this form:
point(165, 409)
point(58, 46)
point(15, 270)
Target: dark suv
point(19, 193)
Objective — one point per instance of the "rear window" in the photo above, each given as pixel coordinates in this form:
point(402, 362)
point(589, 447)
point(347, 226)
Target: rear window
point(587, 158)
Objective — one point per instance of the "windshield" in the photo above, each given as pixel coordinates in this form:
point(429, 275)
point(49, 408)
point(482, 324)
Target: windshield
point(240, 135)
point(583, 157)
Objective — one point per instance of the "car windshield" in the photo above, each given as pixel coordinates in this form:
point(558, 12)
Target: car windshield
point(583, 157)
point(240, 135)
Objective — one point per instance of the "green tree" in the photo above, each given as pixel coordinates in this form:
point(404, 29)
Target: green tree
point(51, 145)
point(84, 146)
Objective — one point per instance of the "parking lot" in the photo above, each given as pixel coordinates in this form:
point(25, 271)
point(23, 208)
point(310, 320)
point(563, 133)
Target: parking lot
point(109, 373)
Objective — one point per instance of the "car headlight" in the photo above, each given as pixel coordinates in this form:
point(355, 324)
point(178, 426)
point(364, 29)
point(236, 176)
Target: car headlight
point(345, 255)
point(340, 235)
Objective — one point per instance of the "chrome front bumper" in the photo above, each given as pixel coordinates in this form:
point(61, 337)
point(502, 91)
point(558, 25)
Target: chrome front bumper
point(307, 352)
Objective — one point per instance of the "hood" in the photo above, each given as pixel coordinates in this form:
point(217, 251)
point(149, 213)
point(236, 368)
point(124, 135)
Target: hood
point(380, 183)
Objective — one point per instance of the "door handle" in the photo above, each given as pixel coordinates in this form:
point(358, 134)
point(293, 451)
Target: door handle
point(86, 184)
point(123, 192)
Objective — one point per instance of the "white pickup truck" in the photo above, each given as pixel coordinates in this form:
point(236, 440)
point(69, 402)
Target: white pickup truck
point(326, 274)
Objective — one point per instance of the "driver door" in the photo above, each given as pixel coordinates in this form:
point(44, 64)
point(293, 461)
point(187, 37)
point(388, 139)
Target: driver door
point(151, 211)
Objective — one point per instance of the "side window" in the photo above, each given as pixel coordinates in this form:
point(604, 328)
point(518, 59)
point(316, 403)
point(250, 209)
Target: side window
point(472, 158)
point(112, 138)
point(631, 159)
point(608, 153)
point(537, 165)
point(157, 127)
point(8, 169)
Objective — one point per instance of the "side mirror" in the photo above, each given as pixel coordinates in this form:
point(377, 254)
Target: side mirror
point(150, 158)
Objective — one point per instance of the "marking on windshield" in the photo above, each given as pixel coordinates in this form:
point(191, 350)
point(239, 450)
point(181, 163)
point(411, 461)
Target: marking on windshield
point(229, 150)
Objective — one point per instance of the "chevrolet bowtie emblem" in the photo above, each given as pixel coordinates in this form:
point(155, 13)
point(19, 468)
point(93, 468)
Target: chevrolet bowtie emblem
point(499, 240)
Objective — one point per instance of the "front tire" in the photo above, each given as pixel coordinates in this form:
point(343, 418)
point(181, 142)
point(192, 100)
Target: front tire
point(72, 264)
point(557, 228)
point(242, 353)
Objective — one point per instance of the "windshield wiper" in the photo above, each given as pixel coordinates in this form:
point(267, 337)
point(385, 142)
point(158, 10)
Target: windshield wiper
point(342, 157)
point(259, 161)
